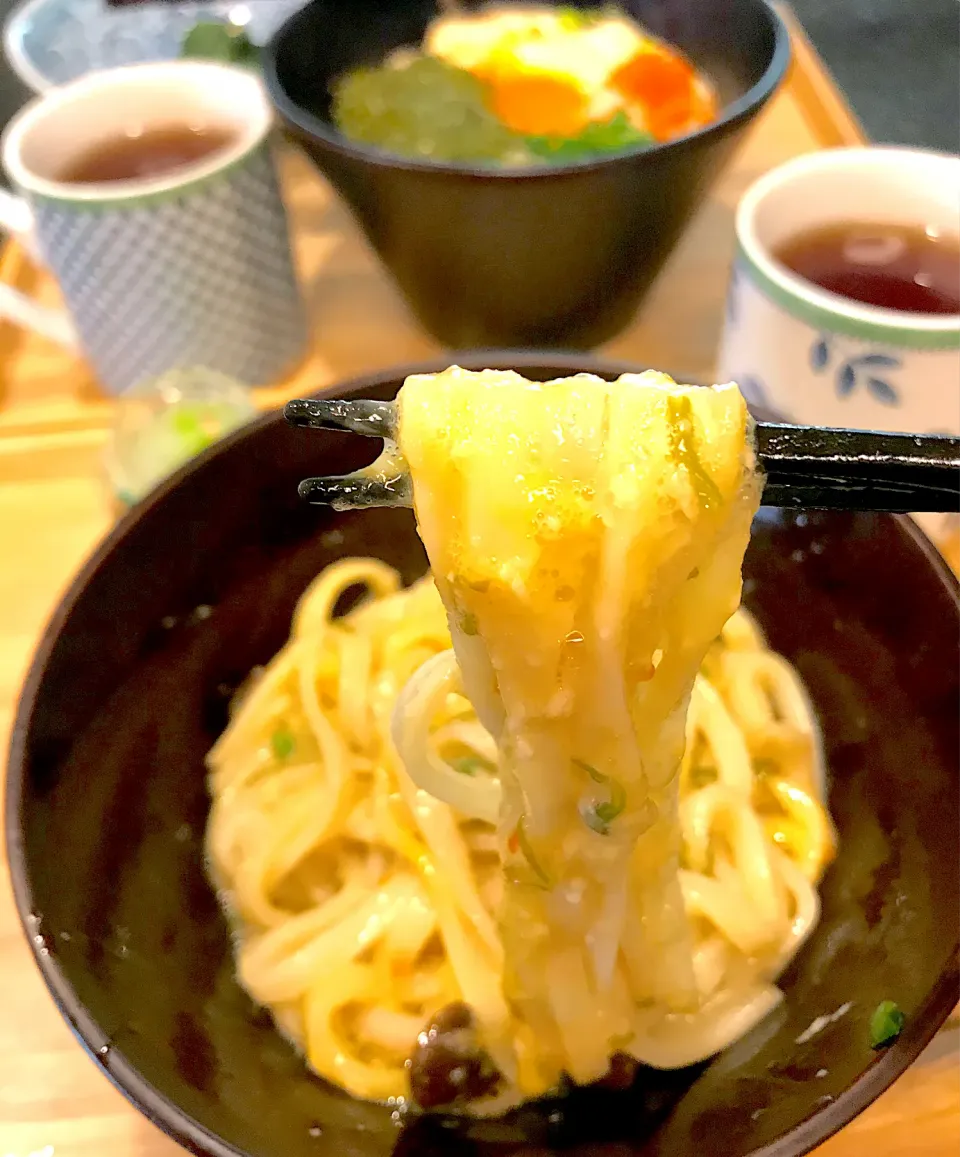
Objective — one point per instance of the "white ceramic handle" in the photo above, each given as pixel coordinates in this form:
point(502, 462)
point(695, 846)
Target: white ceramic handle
point(55, 324)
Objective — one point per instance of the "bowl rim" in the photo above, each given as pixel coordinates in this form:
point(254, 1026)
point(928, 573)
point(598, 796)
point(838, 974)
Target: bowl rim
point(733, 114)
point(157, 1106)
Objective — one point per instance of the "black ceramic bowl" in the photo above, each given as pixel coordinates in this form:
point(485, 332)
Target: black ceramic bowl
point(107, 805)
point(542, 257)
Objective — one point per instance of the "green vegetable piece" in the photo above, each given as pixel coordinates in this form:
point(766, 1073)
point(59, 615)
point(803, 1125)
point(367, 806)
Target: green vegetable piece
point(468, 623)
point(600, 816)
point(611, 136)
point(680, 413)
point(186, 422)
point(471, 765)
point(188, 426)
point(282, 743)
point(424, 108)
point(886, 1024)
point(608, 812)
point(596, 776)
point(523, 840)
point(211, 40)
point(594, 822)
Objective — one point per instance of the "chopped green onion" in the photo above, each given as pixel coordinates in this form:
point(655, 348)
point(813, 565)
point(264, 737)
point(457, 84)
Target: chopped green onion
point(594, 822)
point(596, 776)
point(471, 765)
point(608, 812)
point(600, 816)
point(523, 843)
point(886, 1024)
point(282, 743)
point(684, 449)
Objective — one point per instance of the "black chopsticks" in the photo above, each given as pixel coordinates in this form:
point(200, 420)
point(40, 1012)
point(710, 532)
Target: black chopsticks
point(819, 468)
point(810, 467)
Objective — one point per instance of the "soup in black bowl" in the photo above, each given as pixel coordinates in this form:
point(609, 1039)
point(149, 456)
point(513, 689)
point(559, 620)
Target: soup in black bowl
point(543, 255)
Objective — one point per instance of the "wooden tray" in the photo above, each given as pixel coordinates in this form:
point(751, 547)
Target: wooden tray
point(54, 506)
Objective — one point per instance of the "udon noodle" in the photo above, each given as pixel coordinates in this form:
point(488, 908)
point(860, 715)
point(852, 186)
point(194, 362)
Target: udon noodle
point(362, 905)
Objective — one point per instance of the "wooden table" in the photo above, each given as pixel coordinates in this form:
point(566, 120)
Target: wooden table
point(54, 507)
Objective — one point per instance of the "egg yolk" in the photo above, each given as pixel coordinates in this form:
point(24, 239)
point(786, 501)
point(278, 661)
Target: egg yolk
point(537, 104)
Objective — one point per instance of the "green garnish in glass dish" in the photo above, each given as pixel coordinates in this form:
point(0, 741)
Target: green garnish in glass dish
point(190, 423)
point(161, 423)
point(886, 1024)
point(213, 40)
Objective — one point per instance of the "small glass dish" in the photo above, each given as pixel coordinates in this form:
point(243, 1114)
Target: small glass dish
point(164, 422)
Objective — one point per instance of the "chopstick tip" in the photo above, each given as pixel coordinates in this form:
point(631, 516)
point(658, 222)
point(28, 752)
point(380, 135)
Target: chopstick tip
point(298, 412)
point(319, 491)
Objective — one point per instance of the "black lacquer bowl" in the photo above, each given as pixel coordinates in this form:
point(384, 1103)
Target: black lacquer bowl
point(106, 810)
point(547, 257)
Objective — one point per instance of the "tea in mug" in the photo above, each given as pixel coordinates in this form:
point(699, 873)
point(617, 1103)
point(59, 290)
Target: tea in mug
point(141, 156)
point(902, 267)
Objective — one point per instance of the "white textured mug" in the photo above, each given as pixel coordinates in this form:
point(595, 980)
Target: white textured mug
point(186, 269)
point(818, 358)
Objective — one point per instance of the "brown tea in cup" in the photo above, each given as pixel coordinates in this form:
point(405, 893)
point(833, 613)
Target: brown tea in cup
point(151, 153)
point(911, 268)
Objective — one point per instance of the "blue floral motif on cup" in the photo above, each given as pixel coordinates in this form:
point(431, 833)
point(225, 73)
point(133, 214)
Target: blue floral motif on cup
point(754, 390)
point(758, 396)
point(853, 371)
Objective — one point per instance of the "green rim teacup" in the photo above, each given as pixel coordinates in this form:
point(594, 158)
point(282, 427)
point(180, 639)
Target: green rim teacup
point(818, 358)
